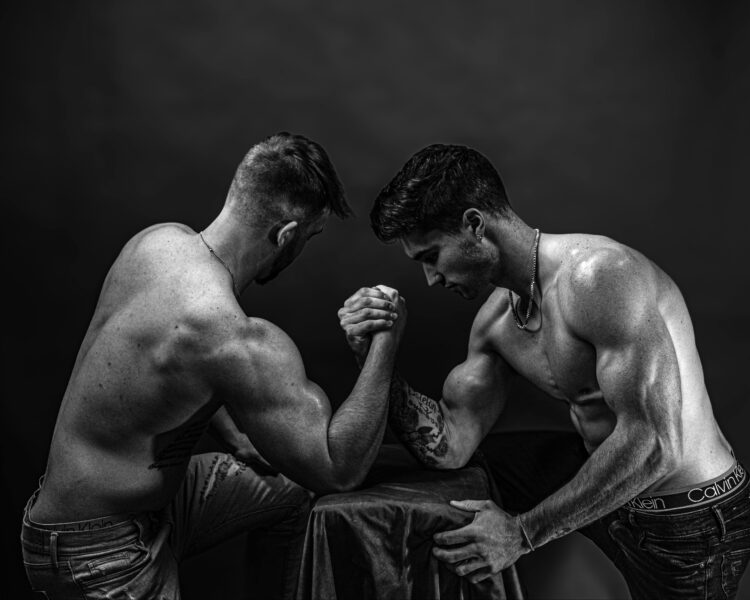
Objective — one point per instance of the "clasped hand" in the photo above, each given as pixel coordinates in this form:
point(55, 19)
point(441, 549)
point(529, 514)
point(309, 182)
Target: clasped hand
point(490, 543)
point(369, 311)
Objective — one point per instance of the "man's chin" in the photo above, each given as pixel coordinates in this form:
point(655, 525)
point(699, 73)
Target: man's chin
point(465, 293)
point(266, 279)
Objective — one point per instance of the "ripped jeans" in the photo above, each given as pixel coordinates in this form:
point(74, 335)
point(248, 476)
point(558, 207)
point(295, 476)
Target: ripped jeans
point(136, 556)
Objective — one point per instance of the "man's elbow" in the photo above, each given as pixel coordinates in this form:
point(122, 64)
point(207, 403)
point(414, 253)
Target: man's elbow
point(337, 483)
point(454, 458)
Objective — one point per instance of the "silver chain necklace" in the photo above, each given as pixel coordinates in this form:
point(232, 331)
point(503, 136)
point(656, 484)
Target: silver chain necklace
point(525, 323)
point(217, 257)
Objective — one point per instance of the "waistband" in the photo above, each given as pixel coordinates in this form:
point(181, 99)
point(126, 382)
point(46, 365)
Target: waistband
point(89, 535)
point(721, 488)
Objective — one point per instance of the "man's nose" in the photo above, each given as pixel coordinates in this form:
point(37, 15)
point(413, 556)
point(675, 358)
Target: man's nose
point(431, 275)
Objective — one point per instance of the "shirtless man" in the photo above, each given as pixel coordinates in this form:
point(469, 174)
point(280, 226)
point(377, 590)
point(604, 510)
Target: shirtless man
point(596, 325)
point(122, 501)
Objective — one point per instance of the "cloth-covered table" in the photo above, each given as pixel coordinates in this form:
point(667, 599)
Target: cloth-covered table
point(376, 542)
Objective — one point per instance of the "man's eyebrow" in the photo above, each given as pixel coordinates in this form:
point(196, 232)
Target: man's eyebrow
point(419, 255)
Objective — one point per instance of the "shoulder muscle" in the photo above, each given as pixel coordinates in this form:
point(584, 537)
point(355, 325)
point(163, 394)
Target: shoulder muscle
point(609, 295)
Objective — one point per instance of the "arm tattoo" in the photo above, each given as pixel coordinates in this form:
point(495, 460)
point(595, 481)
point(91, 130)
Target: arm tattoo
point(418, 422)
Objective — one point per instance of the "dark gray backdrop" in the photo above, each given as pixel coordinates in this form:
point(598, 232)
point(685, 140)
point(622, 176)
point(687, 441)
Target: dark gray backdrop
point(625, 119)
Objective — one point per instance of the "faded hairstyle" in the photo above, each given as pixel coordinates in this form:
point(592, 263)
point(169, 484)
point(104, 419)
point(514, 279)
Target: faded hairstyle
point(434, 188)
point(287, 173)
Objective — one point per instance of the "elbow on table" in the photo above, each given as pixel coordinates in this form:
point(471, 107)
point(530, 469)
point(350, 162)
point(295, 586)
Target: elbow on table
point(454, 458)
point(337, 483)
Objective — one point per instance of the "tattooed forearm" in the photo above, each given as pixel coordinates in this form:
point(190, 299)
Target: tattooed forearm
point(418, 422)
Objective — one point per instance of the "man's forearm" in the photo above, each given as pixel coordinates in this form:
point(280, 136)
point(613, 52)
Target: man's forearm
point(613, 474)
point(356, 429)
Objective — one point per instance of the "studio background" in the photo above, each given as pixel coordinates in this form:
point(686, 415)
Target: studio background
point(624, 119)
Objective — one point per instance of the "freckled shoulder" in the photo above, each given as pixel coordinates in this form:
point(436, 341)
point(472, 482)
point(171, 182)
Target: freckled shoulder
point(155, 236)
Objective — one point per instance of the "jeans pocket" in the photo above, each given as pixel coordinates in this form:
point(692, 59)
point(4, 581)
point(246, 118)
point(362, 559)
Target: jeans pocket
point(53, 581)
point(733, 565)
point(683, 555)
point(111, 568)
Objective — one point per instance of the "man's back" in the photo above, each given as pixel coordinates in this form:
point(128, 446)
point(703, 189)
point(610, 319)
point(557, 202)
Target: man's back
point(138, 399)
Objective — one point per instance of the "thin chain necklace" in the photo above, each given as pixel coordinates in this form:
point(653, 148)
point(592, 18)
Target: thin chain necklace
point(217, 257)
point(525, 323)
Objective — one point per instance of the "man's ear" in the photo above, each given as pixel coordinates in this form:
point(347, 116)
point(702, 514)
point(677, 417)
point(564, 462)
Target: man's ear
point(285, 233)
point(473, 222)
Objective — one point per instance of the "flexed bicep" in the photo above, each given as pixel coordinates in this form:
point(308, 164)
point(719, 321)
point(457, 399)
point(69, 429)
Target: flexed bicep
point(285, 415)
point(289, 418)
point(445, 433)
point(474, 394)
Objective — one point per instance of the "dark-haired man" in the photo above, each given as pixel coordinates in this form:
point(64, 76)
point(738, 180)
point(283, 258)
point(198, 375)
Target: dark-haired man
point(122, 501)
point(650, 477)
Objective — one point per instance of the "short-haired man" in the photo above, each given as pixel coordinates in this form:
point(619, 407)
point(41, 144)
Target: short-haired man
point(590, 322)
point(122, 500)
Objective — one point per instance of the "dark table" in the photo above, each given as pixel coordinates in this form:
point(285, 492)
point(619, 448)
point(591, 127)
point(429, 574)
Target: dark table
point(376, 542)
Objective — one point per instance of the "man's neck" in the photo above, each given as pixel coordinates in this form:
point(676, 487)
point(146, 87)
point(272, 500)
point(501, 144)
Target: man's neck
point(516, 247)
point(242, 249)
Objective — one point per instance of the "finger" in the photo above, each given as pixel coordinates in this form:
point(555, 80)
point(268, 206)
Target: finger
point(368, 314)
point(469, 505)
point(367, 327)
point(368, 292)
point(463, 535)
point(469, 566)
point(392, 293)
point(368, 301)
point(372, 302)
point(480, 575)
point(455, 555)
point(261, 467)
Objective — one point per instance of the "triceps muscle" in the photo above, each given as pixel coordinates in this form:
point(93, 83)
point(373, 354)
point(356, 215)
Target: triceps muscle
point(419, 423)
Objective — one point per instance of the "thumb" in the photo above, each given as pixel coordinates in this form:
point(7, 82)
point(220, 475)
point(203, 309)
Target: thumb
point(392, 293)
point(469, 505)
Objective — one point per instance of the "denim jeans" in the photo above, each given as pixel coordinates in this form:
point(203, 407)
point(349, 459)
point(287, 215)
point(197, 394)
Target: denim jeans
point(136, 556)
point(699, 554)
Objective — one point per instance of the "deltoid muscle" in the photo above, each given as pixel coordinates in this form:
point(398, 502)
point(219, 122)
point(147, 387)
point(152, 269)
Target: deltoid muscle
point(418, 422)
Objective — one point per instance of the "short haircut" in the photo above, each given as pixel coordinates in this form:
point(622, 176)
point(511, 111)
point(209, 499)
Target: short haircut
point(288, 172)
point(434, 188)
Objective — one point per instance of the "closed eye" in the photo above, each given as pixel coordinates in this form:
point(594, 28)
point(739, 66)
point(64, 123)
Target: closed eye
point(428, 255)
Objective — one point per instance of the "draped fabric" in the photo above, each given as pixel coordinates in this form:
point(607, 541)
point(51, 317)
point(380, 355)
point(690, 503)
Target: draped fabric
point(376, 542)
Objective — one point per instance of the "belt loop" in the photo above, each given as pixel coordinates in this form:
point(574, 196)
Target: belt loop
point(53, 548)
point(720, 520)
point(142, 526)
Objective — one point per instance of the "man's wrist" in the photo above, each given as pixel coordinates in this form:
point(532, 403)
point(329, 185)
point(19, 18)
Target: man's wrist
point(527, 544)
point(383, 340)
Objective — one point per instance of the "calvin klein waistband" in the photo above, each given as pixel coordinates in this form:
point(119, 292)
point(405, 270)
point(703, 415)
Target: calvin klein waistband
point(721, 488)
